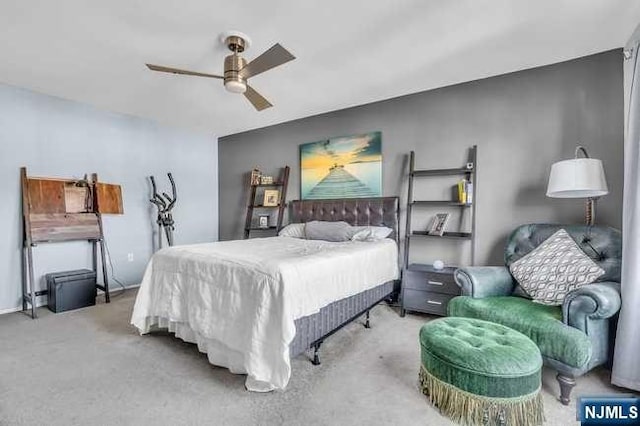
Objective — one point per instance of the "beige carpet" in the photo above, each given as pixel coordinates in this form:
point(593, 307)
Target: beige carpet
point(90, 367)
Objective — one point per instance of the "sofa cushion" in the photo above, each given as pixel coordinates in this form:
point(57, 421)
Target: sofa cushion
point(541, 323)
point(554, 268)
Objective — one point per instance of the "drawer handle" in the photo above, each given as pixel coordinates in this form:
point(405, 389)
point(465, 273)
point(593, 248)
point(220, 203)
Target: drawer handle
point(433, 302)
point(434, 282)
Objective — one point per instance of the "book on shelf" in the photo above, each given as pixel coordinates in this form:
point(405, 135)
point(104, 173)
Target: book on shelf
point(469, 192)
point(465, 191)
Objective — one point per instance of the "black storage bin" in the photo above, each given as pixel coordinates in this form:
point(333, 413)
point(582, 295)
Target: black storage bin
point(71, 290)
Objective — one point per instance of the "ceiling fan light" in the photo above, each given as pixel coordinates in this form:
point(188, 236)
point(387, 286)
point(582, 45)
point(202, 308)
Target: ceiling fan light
point(235, 86)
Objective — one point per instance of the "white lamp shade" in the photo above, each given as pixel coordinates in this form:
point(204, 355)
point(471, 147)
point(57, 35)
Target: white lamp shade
point(577, 178)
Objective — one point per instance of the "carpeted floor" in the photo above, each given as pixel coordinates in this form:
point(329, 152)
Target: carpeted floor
point(90, 367)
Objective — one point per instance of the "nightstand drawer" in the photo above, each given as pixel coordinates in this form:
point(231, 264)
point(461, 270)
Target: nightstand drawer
point(430, 281)
point(426, 301)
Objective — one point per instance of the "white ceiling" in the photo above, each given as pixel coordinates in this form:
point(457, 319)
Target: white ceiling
point(349, 52)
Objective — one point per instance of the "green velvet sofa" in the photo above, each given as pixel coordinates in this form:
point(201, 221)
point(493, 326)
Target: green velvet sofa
point(573, 338)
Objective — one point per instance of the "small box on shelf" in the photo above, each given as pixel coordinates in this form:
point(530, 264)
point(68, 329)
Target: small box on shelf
point(263, 221)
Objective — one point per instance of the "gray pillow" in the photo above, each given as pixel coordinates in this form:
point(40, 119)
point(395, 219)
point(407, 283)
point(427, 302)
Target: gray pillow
point(328, 231)
point(554, 268)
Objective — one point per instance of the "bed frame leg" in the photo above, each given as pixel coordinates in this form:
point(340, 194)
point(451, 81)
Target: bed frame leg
point(367, 324)
point(316, 357)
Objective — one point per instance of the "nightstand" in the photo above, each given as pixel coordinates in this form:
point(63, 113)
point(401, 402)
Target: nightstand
point(426, 289)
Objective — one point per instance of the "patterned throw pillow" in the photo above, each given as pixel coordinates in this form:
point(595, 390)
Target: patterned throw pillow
point(554, 268)
point(294, 230)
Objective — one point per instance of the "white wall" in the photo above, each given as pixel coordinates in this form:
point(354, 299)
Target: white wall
point(55, 137)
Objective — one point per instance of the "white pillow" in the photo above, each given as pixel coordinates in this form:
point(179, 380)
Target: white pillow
point(370, 233)
point(329, 231)
point(293, 230)
point(554, 268)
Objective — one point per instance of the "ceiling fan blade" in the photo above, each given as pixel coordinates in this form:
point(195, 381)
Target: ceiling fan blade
point(179, 71)
point(275, 56)
point(257, 100)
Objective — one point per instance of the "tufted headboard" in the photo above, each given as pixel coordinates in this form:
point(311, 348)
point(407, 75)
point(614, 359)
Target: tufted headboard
point(601, 243)
point(379, 211)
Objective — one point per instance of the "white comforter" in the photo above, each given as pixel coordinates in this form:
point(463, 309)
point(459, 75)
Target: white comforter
point(238, 299)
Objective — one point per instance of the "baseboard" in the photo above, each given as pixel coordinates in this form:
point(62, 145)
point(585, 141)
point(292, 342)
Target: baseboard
point(43, 299)
point(18, 309)
point(116, 290)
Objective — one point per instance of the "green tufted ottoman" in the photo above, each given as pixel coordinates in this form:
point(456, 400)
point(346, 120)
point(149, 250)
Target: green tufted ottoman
point(480, 373)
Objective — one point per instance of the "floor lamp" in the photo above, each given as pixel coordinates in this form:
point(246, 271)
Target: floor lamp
point(579, 178)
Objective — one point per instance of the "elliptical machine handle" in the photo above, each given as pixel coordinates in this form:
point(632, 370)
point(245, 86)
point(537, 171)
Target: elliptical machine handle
point(173, 190)
point(157, 200)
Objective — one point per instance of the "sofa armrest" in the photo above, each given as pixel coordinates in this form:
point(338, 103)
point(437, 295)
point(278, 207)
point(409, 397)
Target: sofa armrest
point(593, 301)
point(484, 281)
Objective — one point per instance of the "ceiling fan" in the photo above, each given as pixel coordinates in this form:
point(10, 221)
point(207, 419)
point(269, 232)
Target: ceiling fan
point(236, 69)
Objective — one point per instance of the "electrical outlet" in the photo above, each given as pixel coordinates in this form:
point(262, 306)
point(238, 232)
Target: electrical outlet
point(130, 257)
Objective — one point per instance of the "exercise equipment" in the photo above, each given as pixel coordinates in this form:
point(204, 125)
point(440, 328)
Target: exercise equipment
point(165, 204)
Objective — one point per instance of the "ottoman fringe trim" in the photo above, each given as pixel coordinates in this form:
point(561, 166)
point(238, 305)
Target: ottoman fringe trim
point(470, 409)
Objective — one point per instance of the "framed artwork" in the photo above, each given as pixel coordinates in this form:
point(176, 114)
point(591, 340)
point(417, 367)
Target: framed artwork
point(271, 198)
point(343, 167)
point(255, 177)
point(263, 221)
point(439, 224)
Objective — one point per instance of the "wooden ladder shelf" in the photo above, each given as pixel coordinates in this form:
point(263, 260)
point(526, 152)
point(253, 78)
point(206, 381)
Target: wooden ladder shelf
point(256, 190)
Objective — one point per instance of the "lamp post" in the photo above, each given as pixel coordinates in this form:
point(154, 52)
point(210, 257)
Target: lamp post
point(579, 178)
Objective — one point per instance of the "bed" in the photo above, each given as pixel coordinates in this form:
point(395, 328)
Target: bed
point(251, 305)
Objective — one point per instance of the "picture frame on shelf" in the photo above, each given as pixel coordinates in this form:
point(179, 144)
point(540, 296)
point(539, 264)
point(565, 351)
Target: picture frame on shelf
point(271, 198)
point(255, 177)
point(263, 221)
point(266, 180)
point(439, 224)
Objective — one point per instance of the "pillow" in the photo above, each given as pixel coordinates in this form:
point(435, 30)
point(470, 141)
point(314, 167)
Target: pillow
point(294, 230)
point(554, 268)
point(370, 233)
point(329, 231)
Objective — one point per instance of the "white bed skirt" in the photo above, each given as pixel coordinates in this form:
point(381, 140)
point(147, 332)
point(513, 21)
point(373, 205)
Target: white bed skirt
point(238, 300)
point(217, 353)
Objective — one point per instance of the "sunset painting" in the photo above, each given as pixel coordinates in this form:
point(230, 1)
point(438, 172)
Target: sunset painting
point(344, 167)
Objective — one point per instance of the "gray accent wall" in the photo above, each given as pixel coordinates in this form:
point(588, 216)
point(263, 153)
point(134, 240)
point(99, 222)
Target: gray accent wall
point(522, 123)
point(55, 137)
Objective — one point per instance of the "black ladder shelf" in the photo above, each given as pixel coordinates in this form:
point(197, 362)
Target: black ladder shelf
point(469, 174)
point(433, 296)
point(253, 205)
